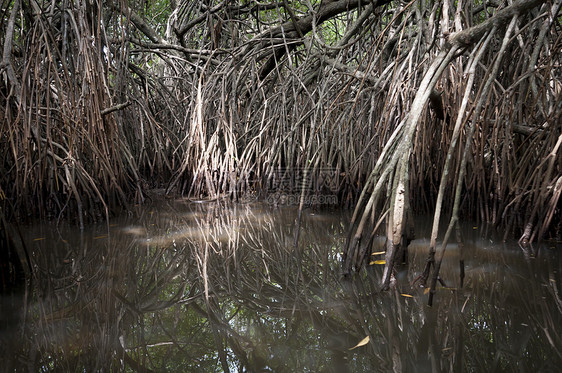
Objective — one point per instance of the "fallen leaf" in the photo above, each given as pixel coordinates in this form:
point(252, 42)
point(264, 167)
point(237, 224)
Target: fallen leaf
point(363, 342)
point(379, 253)
point(426, 290)
point(377, 262)
point(39, 239)
point(407, 295)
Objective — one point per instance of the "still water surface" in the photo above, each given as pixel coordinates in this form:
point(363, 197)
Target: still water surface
point(213, 287)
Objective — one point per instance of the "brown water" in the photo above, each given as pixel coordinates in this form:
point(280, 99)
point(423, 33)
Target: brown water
point(212, 287)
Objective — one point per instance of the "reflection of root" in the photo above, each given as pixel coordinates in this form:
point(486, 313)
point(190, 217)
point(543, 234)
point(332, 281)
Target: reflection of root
point(421, 278)
point(391, 282)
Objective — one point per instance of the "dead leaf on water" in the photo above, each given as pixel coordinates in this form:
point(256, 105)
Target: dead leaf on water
point(39, 239)
point(377, 262)
point(99, 237)
point(379, 253)
point(426, 290)
point(407, 295)
point(363, 342)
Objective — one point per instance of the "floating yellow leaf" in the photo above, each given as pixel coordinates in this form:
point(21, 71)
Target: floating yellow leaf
point(363, 342)
point(39, 239)
point(377, 262)
point(379, 253)
point(474, 227)
point(407, 295)
point(98, 237)
point(426, 290)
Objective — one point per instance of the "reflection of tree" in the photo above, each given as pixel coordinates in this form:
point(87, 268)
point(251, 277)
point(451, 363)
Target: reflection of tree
point(510, 332)
point(235, 295)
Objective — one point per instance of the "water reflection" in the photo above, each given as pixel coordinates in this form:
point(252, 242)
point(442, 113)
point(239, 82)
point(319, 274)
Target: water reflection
point(217, 287)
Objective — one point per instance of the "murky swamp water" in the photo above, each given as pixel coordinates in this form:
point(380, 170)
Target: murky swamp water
point(212, 287)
